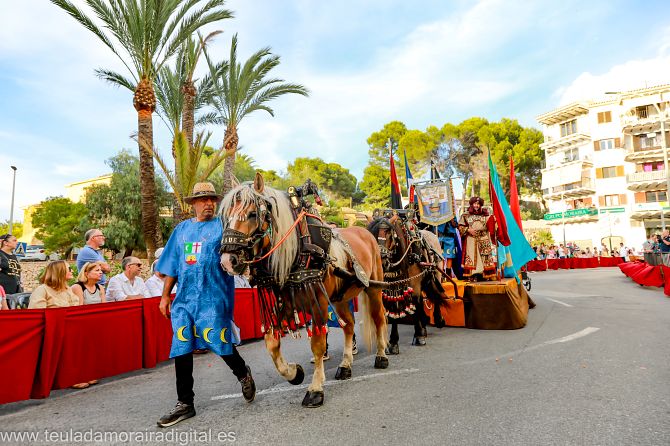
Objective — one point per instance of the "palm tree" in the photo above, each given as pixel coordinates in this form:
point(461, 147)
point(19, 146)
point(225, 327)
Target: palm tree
point(240, 91)
point(179, 97)
point(191, 166)
point(144, 35)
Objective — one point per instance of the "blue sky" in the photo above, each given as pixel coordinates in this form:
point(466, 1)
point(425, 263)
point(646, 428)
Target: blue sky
point(365, 62)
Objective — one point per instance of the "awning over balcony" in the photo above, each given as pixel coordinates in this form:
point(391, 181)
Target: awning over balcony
point(565, 174)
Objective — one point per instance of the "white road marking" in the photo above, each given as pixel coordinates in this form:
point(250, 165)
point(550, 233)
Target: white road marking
point(558, 302)
point(288, 388)
point(580, 334)
point(572, 337)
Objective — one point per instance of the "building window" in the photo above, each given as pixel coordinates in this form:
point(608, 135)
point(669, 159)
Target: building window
point(641, 112)
point(606, 144)
point(647, 141)
point(655, 196)
point(568, 128)
point(609, 172)
point(604, 117)
point(611, 200)
point(571, 155)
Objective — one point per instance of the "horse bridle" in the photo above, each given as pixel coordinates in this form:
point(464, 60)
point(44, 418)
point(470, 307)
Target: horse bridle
point(250, 245)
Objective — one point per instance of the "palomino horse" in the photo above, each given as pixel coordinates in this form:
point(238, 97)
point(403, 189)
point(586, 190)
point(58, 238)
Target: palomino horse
point(262, 231)
point(412, 265)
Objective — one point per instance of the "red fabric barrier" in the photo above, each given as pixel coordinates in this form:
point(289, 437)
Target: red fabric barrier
point(100, 341)
point(648, 275)
point(54, 327)
point(246, 312)
point(20, 344)
point(552, 264)
point(157, 333)
point(630, 268)
point(41, 350)
point(537, 265)
point(611, 261)
point(666, 275)
point(564, 263)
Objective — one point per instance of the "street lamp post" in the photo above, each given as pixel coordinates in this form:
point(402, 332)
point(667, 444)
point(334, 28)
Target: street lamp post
point(11, 209)
point(665, 161)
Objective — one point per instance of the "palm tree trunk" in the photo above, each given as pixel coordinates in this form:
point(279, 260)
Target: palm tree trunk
point(230, 141)
point(188, 111)
point(145, 138)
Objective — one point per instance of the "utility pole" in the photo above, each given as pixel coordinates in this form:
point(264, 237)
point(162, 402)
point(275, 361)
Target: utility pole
point(11, 209)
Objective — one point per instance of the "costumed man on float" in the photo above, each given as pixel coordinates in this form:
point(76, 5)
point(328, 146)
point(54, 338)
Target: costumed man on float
point(477, 230)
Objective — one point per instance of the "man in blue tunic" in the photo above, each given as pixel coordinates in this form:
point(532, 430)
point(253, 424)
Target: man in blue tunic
point(202, 311)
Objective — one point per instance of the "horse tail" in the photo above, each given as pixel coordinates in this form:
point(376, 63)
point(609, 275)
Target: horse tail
point(369, 328)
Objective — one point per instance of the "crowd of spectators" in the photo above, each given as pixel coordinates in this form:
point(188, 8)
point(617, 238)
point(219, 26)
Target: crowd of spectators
point(570, 250)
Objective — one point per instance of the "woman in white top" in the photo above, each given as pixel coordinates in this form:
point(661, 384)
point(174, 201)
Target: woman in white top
point(87, 288)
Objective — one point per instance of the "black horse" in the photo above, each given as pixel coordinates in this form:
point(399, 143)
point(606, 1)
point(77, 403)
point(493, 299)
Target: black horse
point(412, 266)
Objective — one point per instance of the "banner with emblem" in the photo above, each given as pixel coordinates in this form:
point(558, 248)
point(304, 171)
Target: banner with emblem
point(192, 252)
point(436, 201)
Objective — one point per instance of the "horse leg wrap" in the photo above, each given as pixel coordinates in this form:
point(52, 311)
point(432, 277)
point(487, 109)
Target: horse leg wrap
point(313, 399)
point(381, 362)
point(393, 349)
point(343, 373)
point(299, 375)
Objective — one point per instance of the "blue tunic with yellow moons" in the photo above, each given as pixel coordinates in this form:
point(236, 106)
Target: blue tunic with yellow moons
point(202, 311)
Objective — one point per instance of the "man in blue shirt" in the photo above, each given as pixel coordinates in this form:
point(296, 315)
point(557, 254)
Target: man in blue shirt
point(92, 252)
point(202, 311)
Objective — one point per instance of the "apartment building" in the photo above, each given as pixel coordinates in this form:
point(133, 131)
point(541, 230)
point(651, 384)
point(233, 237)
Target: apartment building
point(605, 177)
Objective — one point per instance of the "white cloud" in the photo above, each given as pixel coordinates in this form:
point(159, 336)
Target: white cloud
point(630, 75)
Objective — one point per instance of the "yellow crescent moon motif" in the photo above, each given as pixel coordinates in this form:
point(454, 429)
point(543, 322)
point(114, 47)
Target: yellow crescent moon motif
point(195, 333)
point(223, 335)
point(205, 333)
point(330, 316)
point(180, 333)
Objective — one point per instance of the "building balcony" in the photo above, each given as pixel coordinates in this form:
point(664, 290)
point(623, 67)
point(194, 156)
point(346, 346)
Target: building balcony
point(567, 160)
point(642, 154)
point(564, 113)
point(582, 188)
point(635, 125)
point(583, 215)
point(641, 181)
point(649, 211)
point(565, 142)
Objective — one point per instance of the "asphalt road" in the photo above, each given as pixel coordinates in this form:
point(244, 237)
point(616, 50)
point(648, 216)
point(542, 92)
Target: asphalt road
point(592, 367)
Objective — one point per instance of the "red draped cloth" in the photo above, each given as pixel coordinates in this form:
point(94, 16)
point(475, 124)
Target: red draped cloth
point(54, 348)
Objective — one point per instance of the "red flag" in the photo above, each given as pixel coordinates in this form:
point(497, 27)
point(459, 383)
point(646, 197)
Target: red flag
point(396, 200)
point(514, 194)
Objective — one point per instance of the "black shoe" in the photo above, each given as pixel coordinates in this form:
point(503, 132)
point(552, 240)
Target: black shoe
point(180, 412)
point(248, 387)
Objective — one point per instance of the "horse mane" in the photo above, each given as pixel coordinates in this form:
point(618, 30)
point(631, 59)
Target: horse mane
point(282, 259)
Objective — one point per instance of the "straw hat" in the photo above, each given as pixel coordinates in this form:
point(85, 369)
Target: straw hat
point(201, 190)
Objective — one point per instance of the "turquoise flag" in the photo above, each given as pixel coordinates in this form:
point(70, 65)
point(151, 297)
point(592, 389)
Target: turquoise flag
point(519, 252)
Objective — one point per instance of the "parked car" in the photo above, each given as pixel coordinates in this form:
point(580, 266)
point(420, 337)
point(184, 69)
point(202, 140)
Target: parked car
point(37, 252)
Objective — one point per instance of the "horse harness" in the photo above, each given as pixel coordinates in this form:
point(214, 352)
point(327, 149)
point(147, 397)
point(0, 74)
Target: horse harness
point(284, 306)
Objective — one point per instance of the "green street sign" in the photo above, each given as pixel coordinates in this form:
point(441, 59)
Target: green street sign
point(613, 211)
point(571, 213)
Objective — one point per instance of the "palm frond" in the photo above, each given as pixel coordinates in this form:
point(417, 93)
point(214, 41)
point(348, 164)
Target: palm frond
point(115, 78)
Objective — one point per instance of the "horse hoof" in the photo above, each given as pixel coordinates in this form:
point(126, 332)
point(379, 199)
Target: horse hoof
point(343, 373)
point(299, 375)
point(313, 399)
point(393, 349)
point(381, 362)
point(419, 341)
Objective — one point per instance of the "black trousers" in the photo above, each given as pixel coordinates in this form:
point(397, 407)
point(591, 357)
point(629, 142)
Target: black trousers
point(183, 366)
